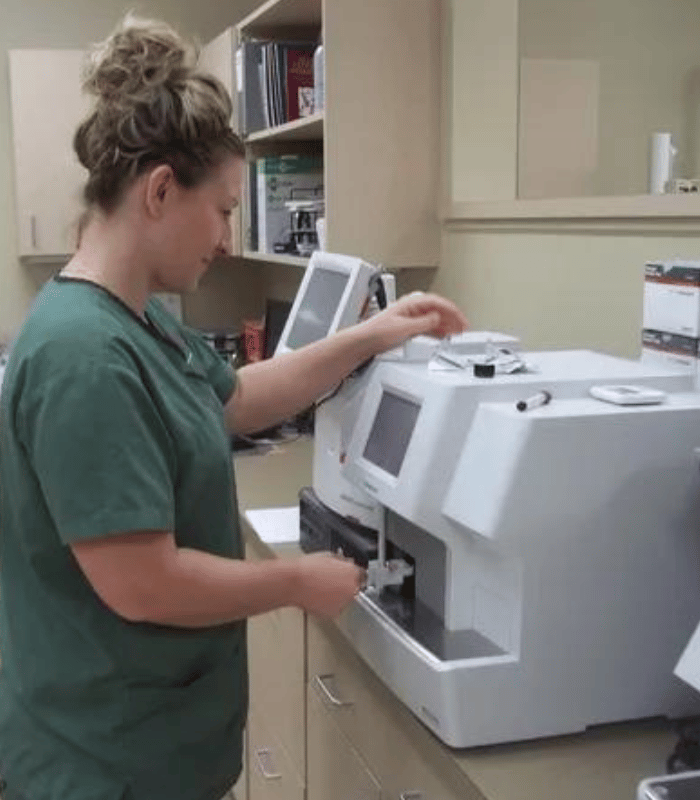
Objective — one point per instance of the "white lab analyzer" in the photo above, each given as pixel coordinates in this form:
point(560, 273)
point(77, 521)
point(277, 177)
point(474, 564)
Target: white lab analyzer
point(539, 542)
point(520, 557)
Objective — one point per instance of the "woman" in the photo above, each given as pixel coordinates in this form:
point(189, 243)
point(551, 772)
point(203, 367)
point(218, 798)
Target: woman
point(124, 592)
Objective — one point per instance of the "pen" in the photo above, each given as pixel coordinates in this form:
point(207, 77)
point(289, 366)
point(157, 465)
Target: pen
point(539, 399)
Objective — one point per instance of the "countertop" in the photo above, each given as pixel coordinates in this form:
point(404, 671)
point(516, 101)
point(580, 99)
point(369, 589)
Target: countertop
point(606, 762)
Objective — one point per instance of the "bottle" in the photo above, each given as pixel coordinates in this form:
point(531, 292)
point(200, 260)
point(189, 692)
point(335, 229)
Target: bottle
point(319, 78)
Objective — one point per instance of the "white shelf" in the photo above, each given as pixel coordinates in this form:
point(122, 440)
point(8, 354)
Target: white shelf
point(276, 14)
point(298, 130)
point(276, 258)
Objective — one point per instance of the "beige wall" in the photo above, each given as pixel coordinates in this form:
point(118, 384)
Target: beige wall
point(553, 284)
point(646, 56)
point(555, 289)
point(75, 24)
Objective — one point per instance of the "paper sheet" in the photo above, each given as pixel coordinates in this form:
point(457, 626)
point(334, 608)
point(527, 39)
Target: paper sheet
point(275, 525)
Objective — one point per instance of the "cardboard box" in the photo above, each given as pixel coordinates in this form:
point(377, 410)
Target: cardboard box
point(672, 350)
point(672, 297)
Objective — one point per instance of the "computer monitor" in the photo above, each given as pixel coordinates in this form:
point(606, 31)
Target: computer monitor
point(331, 296)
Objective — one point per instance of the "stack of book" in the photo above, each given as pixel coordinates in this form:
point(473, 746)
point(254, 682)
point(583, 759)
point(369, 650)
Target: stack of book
point(276, 83)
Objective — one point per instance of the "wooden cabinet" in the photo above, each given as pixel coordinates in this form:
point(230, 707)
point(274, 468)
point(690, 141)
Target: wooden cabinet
point(336, 770)
point(47, 105)
point(276, 742)
point(271, 775)
point(369, 724)
point(379, 129)
point(218, 58)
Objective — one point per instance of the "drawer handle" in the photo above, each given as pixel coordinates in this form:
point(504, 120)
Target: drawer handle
point(411, 795)
point(321, 681)
point(265, 765)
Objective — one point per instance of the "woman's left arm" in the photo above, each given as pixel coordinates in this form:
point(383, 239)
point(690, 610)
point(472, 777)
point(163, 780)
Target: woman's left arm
point(275, 389)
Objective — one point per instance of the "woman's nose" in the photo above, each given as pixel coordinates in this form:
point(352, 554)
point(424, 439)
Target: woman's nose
point(225, 246)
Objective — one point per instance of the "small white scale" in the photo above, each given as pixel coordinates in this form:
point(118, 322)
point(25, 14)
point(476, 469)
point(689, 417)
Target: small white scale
point(628, 395)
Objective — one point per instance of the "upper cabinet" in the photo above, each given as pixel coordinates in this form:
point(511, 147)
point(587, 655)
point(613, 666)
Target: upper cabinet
point(555, 105)
point(378, 132)
point(375, 144)
point(47, 105)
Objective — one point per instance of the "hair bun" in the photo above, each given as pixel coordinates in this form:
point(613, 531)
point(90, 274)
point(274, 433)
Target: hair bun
point(139, 56)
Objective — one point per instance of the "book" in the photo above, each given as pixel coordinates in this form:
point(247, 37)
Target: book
point(280, 179)
point(275, 83)
point(299, 75)
point(250, 99)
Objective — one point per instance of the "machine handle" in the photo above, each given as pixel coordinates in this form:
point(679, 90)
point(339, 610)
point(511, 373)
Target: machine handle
point(267, 769)
point(33, 232)
point(412, 795)
point(320, 681)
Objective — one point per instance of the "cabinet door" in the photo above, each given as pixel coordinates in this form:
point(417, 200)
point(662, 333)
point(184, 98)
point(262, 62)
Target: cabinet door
point(270, 774)
point(394, 745)
point(47, 105)
point(276, 667)
point(335, 771)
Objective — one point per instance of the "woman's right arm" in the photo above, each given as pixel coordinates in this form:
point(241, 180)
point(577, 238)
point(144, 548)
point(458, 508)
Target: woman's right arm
point(145, 577)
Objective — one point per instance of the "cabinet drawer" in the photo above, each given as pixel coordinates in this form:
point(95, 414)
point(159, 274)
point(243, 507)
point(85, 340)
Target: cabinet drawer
point(276, 667)
point(388, 737)
point(271, 775)
point(335, 769)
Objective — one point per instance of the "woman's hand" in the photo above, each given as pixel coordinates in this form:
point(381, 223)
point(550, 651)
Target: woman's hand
point(327, 583)
point(414, 315)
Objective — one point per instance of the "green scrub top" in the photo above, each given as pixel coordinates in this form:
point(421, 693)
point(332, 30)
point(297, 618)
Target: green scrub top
point(112, 423)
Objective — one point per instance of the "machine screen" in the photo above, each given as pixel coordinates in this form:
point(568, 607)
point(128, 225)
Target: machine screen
point(391, 432)
point(317, 308)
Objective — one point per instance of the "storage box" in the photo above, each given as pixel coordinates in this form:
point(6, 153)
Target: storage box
point(281, 179)
point(672, 297)
point(672, 350)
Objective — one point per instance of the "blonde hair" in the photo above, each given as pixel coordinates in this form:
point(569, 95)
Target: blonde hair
point(153, 105)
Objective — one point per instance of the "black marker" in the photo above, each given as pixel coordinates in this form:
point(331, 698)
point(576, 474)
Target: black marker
point(539, 399)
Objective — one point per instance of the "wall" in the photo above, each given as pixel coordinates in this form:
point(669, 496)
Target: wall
point(75, 24)
point(648, 64)
point(554, 284)
point(555, 289)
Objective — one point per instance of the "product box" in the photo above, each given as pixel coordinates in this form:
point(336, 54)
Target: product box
point(672, 297)
point(281, 179)
point(672, 350)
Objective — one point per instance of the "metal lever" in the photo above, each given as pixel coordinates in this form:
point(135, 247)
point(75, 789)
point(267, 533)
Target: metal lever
point(267, 771)
point(414, 795)
point(387, 573)
point(332, 699)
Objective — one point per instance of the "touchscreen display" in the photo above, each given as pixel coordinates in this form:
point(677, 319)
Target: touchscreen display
point(317, 308)
point(391, 432)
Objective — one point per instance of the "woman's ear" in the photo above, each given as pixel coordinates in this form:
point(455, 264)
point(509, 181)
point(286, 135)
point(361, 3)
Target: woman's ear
point(160, 183)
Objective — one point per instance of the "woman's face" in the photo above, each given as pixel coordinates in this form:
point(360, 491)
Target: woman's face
point(198, 227)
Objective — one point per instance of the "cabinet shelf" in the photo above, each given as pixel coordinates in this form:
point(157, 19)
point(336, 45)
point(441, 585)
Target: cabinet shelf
point(270, 17)
point(298, 130)
point(380, 168)
point(276, 258)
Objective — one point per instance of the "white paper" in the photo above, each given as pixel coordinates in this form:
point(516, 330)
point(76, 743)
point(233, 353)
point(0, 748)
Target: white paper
point(275, 525)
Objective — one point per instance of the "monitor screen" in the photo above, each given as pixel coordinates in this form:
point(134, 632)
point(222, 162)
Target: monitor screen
point(391, 432)
point(318, 307)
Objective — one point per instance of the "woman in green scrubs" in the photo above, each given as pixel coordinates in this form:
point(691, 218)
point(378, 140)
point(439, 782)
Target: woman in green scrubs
point(124, 592)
